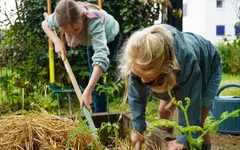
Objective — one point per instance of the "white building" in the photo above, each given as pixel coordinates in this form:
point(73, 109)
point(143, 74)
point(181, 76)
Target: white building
point(211, 18)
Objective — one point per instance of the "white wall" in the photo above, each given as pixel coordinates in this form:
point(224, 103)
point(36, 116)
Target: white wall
point(203, 16)
point(194, 21)
point(226, 16)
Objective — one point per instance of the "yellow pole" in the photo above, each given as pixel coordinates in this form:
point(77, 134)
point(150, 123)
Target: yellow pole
point(100, 3)
point(50, 51)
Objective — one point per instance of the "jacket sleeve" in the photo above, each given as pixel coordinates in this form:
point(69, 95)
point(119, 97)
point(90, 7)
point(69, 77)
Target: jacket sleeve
point(191, 87)
point(51, 21)
point(96, 30)
point(137, 98)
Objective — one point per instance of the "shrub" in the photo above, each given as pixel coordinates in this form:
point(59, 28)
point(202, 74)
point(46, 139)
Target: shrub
point(230, 53)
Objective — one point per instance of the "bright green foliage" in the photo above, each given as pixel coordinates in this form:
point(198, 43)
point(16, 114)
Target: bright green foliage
point(210, 124)
point(230, 54)
point(112, 90)
point(230, 78)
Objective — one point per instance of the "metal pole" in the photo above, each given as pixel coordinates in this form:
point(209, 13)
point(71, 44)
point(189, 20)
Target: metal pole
point(51, 52)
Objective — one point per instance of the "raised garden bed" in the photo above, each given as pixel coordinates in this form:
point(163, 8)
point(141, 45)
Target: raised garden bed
point(157, 141)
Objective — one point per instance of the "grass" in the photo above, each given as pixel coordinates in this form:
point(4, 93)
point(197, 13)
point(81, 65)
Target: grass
point(231, 91)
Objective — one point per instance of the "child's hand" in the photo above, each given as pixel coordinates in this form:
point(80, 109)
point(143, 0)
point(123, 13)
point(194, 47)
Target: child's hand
point(136, 138)
point(45, 14)
point(60, 49)
point(174, 145)
point(86, 99)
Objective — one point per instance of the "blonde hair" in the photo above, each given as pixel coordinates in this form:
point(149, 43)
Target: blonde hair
point(68, 12)
point(151, 51)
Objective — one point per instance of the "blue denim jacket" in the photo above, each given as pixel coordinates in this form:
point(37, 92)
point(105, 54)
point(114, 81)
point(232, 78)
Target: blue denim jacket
point(198, 59)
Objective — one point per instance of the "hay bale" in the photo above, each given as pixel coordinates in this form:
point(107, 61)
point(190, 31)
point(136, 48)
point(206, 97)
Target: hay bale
point(42, 131)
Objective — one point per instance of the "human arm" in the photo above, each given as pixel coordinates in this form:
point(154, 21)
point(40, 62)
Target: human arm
point(96, 30)
point(100, 56)
point(86, 97)
point(48, 25)
point(137, 99)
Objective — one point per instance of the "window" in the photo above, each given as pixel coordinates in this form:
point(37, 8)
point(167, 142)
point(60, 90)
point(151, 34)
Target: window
point(184, 10)
point(219, 3)
point(237, 30)
point(220, 30)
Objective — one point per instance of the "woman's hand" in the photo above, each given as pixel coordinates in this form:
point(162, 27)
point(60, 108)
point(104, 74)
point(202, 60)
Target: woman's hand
point(174, 145)
point(60, 48)
point(86, 99)
point(137, 140)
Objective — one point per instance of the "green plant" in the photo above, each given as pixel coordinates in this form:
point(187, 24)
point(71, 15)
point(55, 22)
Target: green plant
point(210, 124)
point(152, 108)
point(111, 90)
point(230, 52)
point(107, 129)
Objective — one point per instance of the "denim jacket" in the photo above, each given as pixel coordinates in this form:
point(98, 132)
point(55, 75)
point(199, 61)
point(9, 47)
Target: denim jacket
point(197, 58)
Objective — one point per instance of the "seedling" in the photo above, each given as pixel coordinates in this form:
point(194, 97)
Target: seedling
point(108, 129)
point(210, 124)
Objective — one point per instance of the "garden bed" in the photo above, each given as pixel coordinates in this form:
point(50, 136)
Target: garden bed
point(157, 141)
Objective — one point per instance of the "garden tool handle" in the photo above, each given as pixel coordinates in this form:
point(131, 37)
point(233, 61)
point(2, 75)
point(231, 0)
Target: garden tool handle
point(78, 92)
point(138, 145)
point(79, 95)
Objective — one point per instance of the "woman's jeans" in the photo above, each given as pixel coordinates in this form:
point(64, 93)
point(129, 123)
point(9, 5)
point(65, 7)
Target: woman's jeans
point(100, 101)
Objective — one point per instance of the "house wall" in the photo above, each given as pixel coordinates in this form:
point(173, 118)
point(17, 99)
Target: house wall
point(203, 16)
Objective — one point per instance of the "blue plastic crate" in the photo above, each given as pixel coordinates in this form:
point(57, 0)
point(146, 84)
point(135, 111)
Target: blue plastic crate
point(227, 103)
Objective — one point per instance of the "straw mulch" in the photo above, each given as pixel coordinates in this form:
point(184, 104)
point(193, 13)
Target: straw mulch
point(40, 131)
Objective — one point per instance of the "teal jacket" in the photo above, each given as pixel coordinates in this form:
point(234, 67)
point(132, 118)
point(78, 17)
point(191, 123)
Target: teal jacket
point(100, 34)
point(198, 58)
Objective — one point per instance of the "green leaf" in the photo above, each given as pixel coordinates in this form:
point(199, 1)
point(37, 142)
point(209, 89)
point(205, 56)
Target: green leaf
point(116, 87)
point(192, 129)
point(123, 11)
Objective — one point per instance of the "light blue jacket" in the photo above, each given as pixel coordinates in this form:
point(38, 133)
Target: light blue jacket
point(100, 34)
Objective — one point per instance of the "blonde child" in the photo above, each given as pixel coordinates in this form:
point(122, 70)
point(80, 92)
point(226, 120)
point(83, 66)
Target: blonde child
point(170, 63)
point(87, 25)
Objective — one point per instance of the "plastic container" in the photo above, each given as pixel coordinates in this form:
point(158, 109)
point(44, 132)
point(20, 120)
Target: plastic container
point(227, 103)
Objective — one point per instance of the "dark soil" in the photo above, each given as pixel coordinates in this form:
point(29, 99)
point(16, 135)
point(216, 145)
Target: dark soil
point(225, 141)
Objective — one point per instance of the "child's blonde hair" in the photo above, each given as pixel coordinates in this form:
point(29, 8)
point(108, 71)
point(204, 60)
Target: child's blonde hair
point(68, 12)
point(151, 51)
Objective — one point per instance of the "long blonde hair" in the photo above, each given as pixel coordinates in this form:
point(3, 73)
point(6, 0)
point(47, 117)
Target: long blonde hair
point(151, 51)
point(68, 12)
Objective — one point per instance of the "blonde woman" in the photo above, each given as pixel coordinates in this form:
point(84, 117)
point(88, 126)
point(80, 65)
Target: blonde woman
point(87, 25)
point(169, 63)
